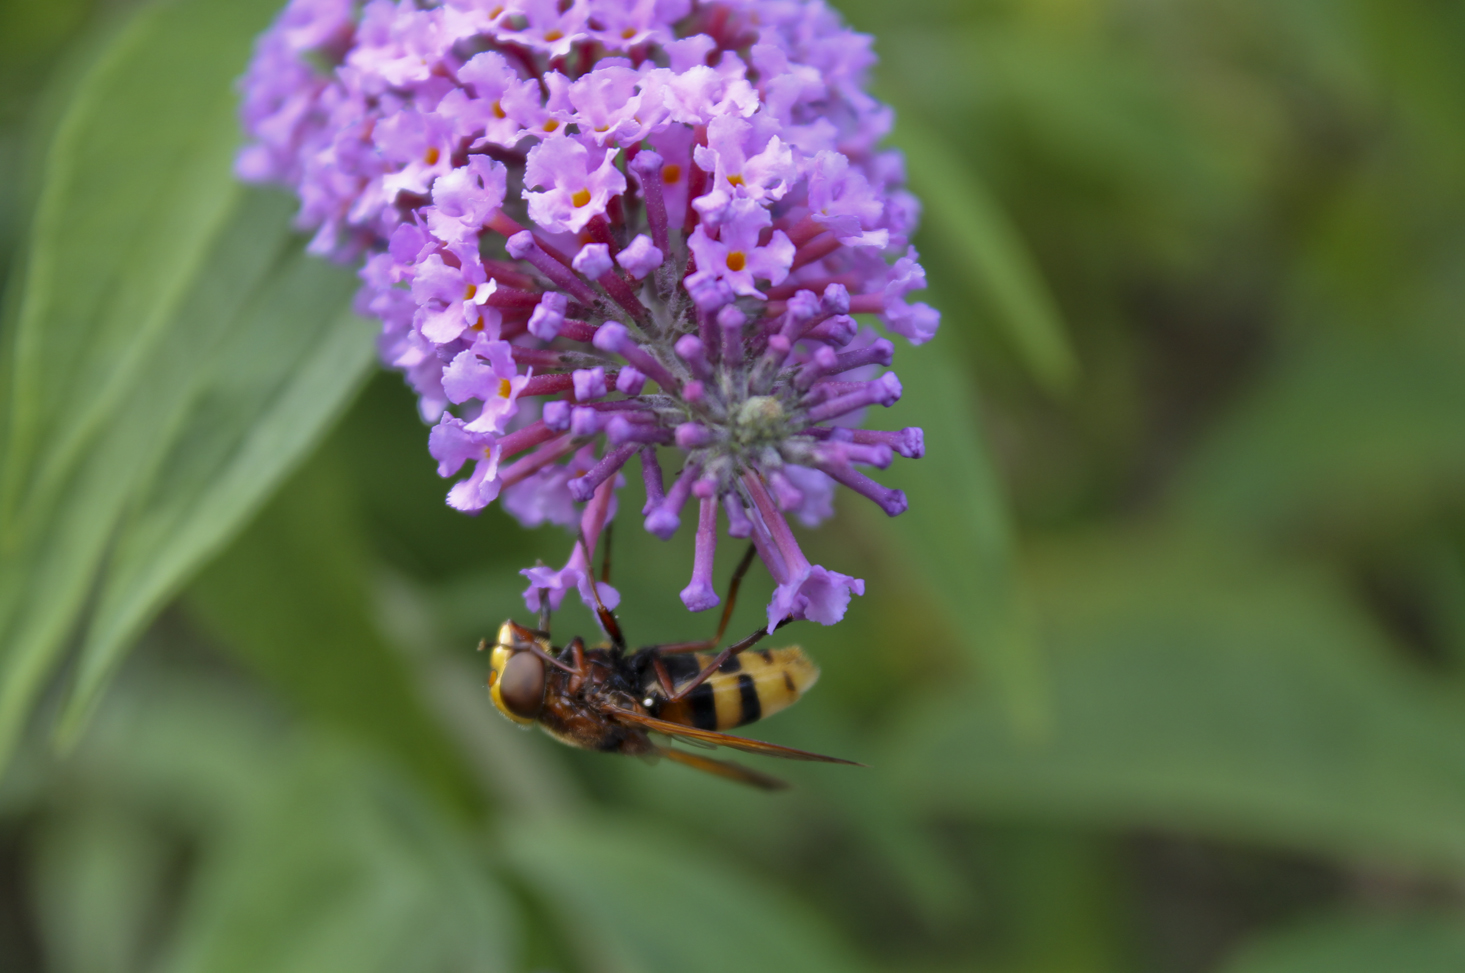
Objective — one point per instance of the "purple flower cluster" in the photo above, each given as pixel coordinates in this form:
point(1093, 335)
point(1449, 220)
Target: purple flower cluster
point(602, 229)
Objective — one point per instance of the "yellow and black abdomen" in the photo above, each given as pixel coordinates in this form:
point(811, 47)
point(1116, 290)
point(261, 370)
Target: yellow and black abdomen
point(744, 689)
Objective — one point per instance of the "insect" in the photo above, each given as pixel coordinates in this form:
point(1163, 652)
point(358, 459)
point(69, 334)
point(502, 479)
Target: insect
point(610, 700)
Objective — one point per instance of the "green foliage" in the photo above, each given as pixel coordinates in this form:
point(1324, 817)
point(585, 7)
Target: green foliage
point(1161, 671)
point(1427, 944)
point(974, 231)
point(174, 352)
point(1218, 693)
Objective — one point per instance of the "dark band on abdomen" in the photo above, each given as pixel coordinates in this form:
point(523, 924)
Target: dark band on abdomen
point(702, 707)
point(752, 707)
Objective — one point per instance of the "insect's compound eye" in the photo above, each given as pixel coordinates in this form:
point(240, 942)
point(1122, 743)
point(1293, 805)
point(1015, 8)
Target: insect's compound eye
point(521, 685)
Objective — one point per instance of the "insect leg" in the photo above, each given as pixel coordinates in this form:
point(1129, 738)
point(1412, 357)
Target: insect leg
point(576, 649)
point(732, 650)
point(727, 611)
point(662, 676)
point(543, 610)
point(607, 620)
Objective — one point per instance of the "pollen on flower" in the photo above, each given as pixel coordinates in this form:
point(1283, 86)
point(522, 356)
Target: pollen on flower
point(675, 227)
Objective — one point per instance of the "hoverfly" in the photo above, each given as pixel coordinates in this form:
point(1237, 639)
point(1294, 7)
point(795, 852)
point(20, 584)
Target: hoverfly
point(607, 699)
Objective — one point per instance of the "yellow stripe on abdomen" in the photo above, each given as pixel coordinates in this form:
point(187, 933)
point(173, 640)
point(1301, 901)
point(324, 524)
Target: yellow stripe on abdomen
point(746, 688)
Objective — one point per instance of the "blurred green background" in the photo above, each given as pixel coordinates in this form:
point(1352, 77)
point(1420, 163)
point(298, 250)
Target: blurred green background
point(1164, 670)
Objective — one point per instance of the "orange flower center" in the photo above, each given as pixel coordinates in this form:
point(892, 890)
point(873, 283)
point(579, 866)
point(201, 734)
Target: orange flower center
point(498, 111)
point(582, 198)
point(551, 125)
point(504, 388)
point(736, 261)
point(627, 33)
point(554, 35)
point(671, 173)
point(736, 179)
point(470, 291)
point(432, 156)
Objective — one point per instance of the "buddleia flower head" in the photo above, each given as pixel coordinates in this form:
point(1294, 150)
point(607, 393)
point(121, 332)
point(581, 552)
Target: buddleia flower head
point(604, 230)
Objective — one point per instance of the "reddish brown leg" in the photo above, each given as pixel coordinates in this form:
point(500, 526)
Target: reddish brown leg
point(577, 653)
point(544, 611)
point(607, 620)
point(662, 676)
point(675, 648)
point(713, 666)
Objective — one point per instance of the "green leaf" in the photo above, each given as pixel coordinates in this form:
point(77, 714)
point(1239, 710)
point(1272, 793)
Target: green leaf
point(347, 869)
point(1362, 433)
point(290, 365)
point(634, 899)
point(173, 356)
point(970, 224)
point(138, 185)
point(98, 875)
point(1419, 944)
point(1200, 690)
point(304, 851)
point(293, 599)
point(956, 537)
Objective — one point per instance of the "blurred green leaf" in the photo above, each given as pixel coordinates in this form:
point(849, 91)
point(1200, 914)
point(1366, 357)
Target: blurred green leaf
point(293, 599)
point(956, 537)
point(345, 869)
point(1204, 691)
point(98, 875)
point(1351, 433)
point(646, 901)
point(1001, 273)
point(1419, 944)
point(205, 833)
point(151, 403)
point(288, 367)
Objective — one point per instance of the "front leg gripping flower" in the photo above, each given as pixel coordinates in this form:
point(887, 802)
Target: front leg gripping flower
point(602, 229)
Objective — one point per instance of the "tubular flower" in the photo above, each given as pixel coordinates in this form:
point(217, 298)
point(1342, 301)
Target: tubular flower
point(611, 229)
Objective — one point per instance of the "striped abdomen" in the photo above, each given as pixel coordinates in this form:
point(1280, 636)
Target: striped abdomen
point(746, 688)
